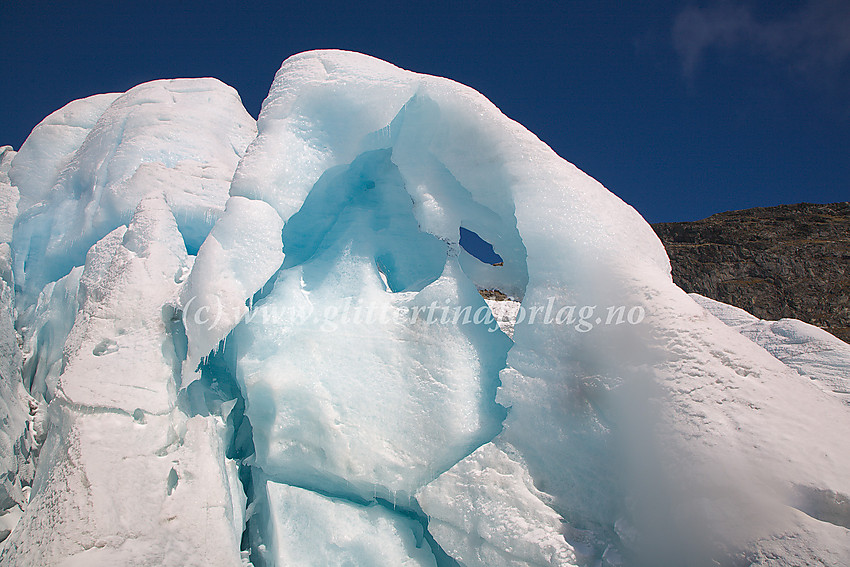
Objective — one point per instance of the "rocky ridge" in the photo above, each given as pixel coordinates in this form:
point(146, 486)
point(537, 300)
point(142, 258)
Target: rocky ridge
point(775, 262)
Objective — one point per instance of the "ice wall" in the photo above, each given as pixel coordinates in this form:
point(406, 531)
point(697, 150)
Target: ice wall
point(17, 435)
point(116, 191)
point(266, 344)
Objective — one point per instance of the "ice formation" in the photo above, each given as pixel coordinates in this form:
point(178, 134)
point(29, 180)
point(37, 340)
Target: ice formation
point(229, 343)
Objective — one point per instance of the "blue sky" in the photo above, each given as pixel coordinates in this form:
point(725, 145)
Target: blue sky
point(683, 109)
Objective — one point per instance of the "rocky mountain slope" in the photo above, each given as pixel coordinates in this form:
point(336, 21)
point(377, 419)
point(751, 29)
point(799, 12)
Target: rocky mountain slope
point(785, 261)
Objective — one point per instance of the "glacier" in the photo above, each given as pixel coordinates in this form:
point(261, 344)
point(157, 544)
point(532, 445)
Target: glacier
point(239, 342)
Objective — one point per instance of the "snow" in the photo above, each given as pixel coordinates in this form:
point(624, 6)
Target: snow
point(119, 328)
point(264, 343)
point(51, 146)
point(9, 196)
point(123, 430)
point(97, 501)
point(811, 351)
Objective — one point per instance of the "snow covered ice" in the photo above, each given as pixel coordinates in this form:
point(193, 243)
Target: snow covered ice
point(227, 342)
point(811, 351)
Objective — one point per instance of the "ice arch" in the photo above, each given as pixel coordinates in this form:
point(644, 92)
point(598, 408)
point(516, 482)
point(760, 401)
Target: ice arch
point(599, 429)
point(373, 171)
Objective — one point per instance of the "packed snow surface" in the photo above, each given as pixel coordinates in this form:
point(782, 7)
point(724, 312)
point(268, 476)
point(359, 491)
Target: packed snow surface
point(232, 343)
point(811, 351)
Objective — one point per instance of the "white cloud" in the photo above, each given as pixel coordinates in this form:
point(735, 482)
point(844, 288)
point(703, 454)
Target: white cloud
point(814, 39)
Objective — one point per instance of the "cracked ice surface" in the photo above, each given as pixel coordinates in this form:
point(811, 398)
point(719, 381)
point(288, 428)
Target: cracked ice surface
point(314, 386)
point(380, 405)
point(621, 429)
point(97, 501)
point(102, 494)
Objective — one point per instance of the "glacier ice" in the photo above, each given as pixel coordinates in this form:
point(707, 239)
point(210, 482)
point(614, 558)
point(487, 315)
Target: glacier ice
point(126, 184)
point(229, 343)
point(17, 440)
point(98, 157)
point(235, 263)
point(378, 404)
point(124, 429)
point(521, 530)
point(312, 529)
point(101, 495)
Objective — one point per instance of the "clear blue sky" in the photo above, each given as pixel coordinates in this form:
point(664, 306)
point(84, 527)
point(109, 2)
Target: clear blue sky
point(683, 109)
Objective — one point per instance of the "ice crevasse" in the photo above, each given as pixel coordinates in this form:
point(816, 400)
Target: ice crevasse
point(237, 343)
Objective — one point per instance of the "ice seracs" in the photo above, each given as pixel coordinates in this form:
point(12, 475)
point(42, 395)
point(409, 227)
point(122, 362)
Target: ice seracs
point(126, 183)
point(17, 436)
point(265, 343)
point(86, 167)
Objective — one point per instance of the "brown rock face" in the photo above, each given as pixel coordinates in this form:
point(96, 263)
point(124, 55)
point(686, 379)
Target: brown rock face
point(786, 261)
